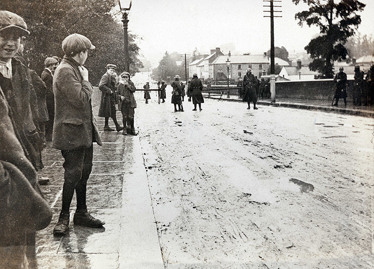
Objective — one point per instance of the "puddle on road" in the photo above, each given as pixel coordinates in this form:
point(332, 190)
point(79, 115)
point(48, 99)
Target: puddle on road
point(304, 187)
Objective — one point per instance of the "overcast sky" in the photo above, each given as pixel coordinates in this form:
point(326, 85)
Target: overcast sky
point(183, 25)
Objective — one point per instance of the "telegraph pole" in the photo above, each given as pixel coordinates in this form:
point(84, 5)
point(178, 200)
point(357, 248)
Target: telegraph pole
point(272, 50)
point(185, 67)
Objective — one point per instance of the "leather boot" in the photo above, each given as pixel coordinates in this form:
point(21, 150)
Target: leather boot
point(62, 225)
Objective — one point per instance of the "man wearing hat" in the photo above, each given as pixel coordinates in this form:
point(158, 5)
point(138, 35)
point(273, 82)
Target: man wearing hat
point(18, 134)
point(108, 100)
point(50, 65)
point(74, 130)
point(194, 92)
point(341, 83)
point(249, 89)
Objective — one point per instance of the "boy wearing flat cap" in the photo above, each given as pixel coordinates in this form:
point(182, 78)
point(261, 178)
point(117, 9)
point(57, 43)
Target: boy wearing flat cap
point(107, 86)
point(19, 189)
point(74, 130)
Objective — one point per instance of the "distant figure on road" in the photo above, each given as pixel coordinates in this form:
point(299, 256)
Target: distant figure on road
point(358, 86)
point(262, 87)
point(74, 130)
point(249, 87)
point(370, 86)
point(176, 97)
point(126, 89)
point(341, 84)
point(147, 94)
point(163, 91)
point(240, 87)
point(194, 92)
point(50, 65)
point(107, 86)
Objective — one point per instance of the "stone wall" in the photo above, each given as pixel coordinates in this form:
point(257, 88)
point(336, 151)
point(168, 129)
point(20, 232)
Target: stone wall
point(321, 89)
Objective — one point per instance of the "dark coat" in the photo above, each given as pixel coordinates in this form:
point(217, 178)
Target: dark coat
point(107, 87)
point(74, 124)
point(341, 84)
point(47, 77)
point(18, 92)
point(147, 94)
point(127, 94)
point(41, 93)
point(176, 95)
point(163, 91)
point(194, 91)
point(249, 88)
point(23, 209)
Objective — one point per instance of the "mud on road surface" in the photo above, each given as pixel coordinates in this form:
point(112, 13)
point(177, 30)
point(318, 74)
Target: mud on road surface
point(272, 188)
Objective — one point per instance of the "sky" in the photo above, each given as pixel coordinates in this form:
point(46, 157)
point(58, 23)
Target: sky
point(239, 26)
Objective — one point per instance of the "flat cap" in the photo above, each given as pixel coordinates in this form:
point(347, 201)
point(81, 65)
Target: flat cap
point(177, 76)
point(111, 66)
point(49, 61)
point(125, 74)
point(10, 20)
point(76, 43)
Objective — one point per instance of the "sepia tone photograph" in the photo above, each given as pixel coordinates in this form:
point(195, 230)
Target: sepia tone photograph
point(186, 134)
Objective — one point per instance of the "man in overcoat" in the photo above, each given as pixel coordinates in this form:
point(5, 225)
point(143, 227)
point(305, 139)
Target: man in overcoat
point(194, 92)
point(358, 86)
point(107, 86)
point(340, 80)
point(249, 88)
point(74, 130)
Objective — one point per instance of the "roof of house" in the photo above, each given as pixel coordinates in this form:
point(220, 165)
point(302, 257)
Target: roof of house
point(196, 62)
point(365, 59)
point(249, 59)
point(304, 70)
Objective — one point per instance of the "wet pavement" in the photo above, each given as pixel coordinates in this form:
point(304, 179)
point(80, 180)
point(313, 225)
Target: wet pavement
point(118, 194)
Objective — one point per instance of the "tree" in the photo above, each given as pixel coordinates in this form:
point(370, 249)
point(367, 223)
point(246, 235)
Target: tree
point(50, 21)
point(168, 67)
point(281, 53)
point(358, 46)
point(337, 22)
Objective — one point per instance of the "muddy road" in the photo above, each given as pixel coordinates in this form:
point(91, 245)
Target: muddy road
point(272, 188)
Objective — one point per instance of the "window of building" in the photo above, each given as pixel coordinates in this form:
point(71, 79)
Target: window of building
point(250, 66)
point(239, 74)
point(260, 66)
point(240, 67)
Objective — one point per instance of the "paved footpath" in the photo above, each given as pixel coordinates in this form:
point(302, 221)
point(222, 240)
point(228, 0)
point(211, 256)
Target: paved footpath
point(118, 194)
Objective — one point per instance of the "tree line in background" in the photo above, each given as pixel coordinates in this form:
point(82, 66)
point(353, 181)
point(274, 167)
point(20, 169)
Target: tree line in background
point(338, 40)
point(337, 22)
point(169, 66)
point(50, 21)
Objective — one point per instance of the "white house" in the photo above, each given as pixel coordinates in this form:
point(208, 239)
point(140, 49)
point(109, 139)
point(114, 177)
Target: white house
point(238, 65)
